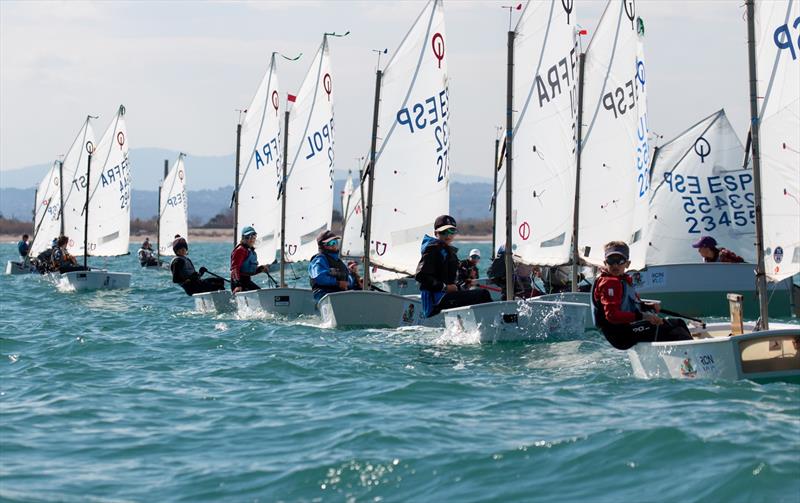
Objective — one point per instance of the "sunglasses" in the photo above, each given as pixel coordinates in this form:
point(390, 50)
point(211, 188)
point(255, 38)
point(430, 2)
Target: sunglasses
point(449, 232)
point(616, 260)
point(332, 242)
point(475, 257)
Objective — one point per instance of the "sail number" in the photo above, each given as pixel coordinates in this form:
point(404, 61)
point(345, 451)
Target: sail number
point(783, 38)
point(431, 113)
point(714, 201)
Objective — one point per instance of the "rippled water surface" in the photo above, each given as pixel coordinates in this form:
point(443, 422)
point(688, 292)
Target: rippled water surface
point(131, 396)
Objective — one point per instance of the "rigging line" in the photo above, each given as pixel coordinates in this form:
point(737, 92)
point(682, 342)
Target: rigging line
point(321, 53)
point(413, 78)
point(679, 161)
point(589, 129)
point(254, 148)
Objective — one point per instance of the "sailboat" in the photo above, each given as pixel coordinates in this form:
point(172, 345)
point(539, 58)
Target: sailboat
point(46, 220)
point(96, 207)
point(700, 186)
point(540, 177)
point(411, 115)
point(763, 351)
point(173, 208)
point(255, 194)
point(306, 195)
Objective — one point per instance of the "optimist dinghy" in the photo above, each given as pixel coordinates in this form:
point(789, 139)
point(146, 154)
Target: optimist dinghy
point(98, 212)
point(736, 350)
point(411, 159)
point(173, 210)
point(219, 302)
point(14, 267)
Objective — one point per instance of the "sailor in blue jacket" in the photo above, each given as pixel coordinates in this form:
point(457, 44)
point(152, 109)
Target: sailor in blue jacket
point(326, 271)
point(437, 270)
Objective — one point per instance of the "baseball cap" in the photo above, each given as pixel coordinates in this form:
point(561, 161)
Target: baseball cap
point(618, 250)
point(248, 231)
point(705, 242)
point(475, 253)
point(178, 244)
point(444, 222)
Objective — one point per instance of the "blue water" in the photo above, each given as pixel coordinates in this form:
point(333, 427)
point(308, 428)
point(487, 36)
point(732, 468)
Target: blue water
point(131, 396)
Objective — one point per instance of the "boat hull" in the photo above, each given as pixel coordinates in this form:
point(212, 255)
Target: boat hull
point(13, 267)
point(277, 301)
point(359, 309)
point(217, 302)
point(700, 289)
point(96, 279)
point(527, 320)
point(759, 356)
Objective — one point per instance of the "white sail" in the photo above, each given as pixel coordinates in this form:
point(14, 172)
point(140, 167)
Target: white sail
point(75, 183)
point(309, 186)
point(545, 148)
point(699, 188)
point(109, 228)
point(778, 71)
point(500, 195)
point(616, 155)
point(411, 172)
point(173, 213)
point(352, 235)
point(47, 214)
point(261, 157)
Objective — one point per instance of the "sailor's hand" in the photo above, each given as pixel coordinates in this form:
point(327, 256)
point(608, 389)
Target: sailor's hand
point(451, 288)
point(652, 318)
point(261, 268)
point(203, 270)
point(237, 289)
point(343, 285)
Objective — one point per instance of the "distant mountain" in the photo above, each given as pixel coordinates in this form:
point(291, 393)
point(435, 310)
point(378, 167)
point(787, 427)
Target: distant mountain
point(467, 201)
point(202, 172)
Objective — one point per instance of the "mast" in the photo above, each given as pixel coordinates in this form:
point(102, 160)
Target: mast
point(86, 208)
point(509, 141)
point(35, 199)
point(283, 195)
point(235, 200)
point(158, 222)
point(371, 174)
point(761, 279)
point(576, 207)
point(61, 197)
point(494, 196)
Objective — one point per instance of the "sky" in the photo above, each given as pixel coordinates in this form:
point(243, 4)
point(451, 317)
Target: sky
point(182, 69)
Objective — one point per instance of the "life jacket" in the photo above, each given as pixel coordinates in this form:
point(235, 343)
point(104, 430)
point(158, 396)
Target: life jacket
point(630, 303)
point(336, 268)
point(177, 266)
point(250, 265)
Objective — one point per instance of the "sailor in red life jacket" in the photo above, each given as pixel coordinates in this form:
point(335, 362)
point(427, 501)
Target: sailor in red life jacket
point(619, 313)
point(707, 247)
point(244, 262)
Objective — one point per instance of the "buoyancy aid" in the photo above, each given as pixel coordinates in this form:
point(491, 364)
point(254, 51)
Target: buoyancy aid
point(336, 268)
point(250, 265)
point(630, 301)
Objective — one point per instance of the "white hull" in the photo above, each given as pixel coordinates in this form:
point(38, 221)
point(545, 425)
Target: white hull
point(280, 301)
point(360, 309)
point(409, 286)
point(527, 320)
point(760, 356)
point(700, 289)
point(13, 267)
point(218, 302)
point(96, 279)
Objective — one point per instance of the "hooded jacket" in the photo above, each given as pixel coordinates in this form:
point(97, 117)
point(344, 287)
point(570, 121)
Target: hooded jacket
point(437, 268)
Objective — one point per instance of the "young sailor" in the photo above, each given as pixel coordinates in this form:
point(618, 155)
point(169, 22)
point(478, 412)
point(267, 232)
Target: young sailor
point(326, 271)
point(23, 247)
point(146, 256)
point(437, 270)
point(619, 313)
point(183, 272)
point(62, 260)
point(244, 262)
point(468, 270)
point(707, 247)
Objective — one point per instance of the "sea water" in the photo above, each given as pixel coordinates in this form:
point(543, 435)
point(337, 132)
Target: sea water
point(132, 396)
